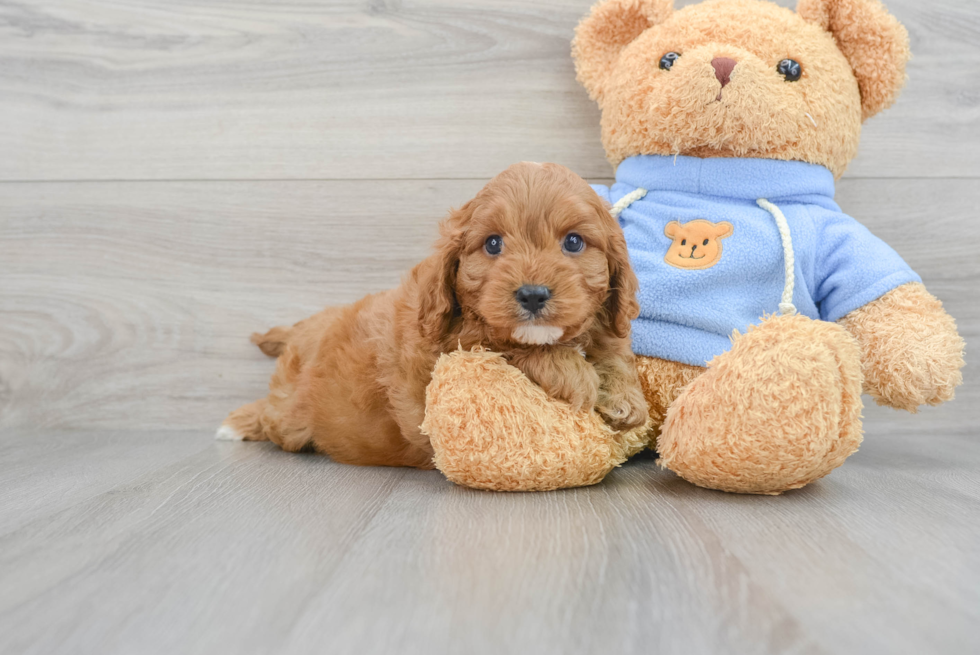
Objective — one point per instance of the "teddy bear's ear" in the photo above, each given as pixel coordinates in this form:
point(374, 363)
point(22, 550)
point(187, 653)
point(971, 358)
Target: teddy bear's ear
point(874, 42)
point(611, 26)
point(723, 229)
point(670, 230)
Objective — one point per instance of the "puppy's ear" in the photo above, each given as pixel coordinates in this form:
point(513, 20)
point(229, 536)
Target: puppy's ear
point(602, 35)
point(623, 285)
point(437, 276)
point(873, 41)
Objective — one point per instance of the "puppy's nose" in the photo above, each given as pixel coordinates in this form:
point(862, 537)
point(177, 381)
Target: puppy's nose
point(723, 69)
point(532, 297)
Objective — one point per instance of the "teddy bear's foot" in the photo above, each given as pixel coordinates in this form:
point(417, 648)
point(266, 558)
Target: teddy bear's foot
point(781, 409)
point(492, 428)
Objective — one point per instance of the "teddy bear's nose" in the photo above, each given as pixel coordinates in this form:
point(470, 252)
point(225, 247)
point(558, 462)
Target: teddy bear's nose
point(723, 69)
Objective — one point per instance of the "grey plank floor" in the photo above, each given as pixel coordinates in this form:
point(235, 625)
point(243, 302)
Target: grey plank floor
point(176, 175)
point(241, 548)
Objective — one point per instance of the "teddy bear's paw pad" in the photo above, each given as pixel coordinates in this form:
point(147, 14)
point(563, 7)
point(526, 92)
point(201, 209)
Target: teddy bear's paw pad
point(778, 411)
point(492, 428)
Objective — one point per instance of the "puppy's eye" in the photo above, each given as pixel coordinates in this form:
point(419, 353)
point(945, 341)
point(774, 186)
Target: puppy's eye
point(790, 69)
point(683, 242)
point(573, 243)
point(705, 242)
point(668, 60)
point(494, 244)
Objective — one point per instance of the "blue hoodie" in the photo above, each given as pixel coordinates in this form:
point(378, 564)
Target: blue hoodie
point(690, 306)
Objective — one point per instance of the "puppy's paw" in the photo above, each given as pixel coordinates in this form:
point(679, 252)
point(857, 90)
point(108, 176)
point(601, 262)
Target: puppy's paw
point(563, 374)
point(581, 397)
point(622, 409)
point(228, 433)
point(578, 390)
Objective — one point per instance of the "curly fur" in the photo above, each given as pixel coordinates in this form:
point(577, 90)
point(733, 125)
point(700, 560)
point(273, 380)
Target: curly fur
point(350, 381)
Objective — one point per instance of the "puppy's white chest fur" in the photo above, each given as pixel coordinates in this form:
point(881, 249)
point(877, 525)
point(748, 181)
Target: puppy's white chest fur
point(537, 335)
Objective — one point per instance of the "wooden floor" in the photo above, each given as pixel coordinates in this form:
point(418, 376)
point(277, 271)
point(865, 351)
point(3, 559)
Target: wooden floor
point(176, 174)
point(166, 542)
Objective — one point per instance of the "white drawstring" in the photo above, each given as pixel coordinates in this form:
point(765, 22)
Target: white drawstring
point(786, 306)
point(626, 201)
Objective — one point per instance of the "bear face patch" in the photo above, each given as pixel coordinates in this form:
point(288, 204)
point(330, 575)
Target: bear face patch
point(696, 244)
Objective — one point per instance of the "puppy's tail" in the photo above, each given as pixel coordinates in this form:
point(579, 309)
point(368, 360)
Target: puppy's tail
point(273, 342)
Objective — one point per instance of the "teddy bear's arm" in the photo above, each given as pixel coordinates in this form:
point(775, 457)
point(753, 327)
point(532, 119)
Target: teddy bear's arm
point(911, 352)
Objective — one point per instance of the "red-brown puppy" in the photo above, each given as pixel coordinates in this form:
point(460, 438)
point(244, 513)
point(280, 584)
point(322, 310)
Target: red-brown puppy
point(534, 267)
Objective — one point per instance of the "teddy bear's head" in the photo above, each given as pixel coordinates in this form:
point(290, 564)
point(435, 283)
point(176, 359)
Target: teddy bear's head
point(740, 78)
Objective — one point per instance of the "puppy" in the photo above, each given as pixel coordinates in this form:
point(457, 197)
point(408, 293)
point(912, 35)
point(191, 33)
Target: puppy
point(533, 267)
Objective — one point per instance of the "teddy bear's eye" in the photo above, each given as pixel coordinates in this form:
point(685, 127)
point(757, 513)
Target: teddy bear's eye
point(668, 60)
point(790, 69)
point(705, 242)
point(683, 242)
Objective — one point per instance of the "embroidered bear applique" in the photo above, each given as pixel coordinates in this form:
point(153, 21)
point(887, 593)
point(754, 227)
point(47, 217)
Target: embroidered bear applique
point(696, 244)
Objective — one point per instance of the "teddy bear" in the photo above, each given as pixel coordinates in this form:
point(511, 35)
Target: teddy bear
point(765, 311)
